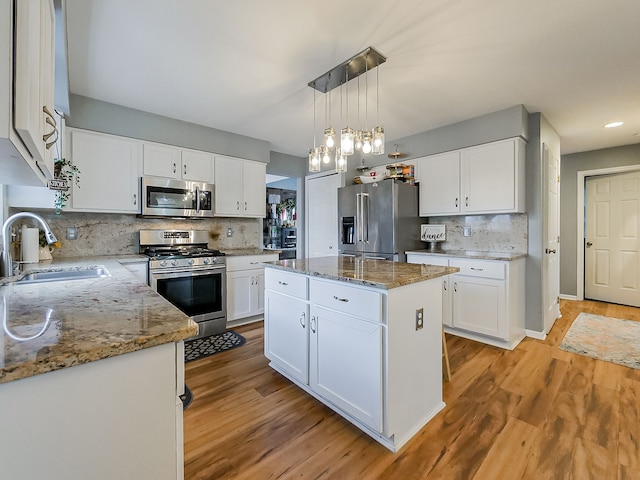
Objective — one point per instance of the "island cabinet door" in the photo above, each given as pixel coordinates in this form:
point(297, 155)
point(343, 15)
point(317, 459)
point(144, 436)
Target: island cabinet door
point(345, 363)
point(286, 341)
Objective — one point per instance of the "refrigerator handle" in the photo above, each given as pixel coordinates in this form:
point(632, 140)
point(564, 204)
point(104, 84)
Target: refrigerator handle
point(358, 217)
point(365, 217)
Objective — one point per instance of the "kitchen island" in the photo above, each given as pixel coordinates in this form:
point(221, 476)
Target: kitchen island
point(90, 376)
point(362, 336)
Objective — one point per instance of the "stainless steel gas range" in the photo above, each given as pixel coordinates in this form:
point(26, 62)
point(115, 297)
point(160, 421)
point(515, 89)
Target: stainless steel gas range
point(188, 274)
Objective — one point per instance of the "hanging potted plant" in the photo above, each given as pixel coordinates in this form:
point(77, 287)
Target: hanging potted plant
point(64, 169)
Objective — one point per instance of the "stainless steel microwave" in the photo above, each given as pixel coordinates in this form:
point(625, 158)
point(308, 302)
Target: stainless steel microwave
point(168, 197)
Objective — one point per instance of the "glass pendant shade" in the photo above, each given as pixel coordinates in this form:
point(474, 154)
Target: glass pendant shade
point(358, 140)
point(347, 141)
point(366, 142)
point(378, 141)
point(314, 160)
point(341, 161)
point(324, 155)
point(330, 137)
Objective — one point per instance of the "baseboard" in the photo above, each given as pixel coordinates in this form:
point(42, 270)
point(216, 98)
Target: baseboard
point(535, 334)
point(568, 297)
point(244, 321)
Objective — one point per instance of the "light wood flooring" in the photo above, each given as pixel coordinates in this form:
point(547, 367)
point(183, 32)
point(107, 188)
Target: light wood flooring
point(536, 412)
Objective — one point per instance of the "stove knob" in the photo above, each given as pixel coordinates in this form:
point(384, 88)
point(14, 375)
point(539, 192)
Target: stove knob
point(190, 261)
point(206, 260)
point(215, 259)
point(163, 263)
point(174, 262)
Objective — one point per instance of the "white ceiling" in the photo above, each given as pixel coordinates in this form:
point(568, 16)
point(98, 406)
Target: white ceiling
point(243, 65)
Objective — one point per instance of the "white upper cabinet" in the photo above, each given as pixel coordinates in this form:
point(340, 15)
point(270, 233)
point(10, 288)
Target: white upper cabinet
point(487, 178)
point(110, 169)
point(174, 162)
point(240, 187)
point(28, 127)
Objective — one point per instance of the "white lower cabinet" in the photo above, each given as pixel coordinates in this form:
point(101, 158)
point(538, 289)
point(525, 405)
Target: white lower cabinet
point(245, 285)
point(346, 363)
point(484, 301)
point(286, 339)
point(355, 349)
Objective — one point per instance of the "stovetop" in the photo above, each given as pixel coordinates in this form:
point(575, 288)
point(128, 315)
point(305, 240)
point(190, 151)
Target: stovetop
point(183, 251)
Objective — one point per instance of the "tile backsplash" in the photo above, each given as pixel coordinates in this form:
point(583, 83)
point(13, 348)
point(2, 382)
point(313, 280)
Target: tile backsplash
point(113, 234)
point(494, 233)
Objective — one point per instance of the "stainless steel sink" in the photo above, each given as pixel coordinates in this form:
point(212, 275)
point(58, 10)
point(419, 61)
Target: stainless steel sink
point(61, 275)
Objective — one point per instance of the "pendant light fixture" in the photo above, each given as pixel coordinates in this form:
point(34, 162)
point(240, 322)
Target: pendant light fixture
point(367, 140)
point(314, 160)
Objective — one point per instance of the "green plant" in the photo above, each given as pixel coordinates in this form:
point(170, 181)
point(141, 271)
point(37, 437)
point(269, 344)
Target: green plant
point(65, 170)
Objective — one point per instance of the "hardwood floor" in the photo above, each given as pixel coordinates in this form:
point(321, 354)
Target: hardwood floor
point(536, 412)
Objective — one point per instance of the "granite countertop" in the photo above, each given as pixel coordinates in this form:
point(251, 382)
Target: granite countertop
point(476, 254)
point(81, 321)
point(371, 273)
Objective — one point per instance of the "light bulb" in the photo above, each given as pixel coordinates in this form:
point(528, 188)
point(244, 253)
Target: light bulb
point(314, 161)
point(346, 141)
point(378, 141)
point(366, 142)
point(358, 141)
point(324, 154)
point(330, 135)
point(341, 161)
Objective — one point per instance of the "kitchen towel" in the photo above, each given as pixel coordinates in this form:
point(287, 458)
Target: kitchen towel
point(29, 245)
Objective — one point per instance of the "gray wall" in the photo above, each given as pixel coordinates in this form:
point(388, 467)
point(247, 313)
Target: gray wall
point(571, 165)
point(99, 116)
point(540, 133)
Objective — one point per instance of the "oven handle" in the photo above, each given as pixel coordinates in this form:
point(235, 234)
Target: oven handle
point(193, 272)
point(197, 200)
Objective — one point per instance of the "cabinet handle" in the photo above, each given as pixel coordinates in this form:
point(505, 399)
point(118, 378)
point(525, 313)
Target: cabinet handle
point(257, 280)
point(455, 286)
point(238, 205)
point(245, 206)
point(184, 169)
point(283, 283)
point(175, 167)
point(312, 324)
point(548, 250)
point(253, 263)
point(51, 121)
point(477, 269)
point(302, 320)
point(444, 285)
point(135, 199)
point(252, 278)
point(340, 299)
point(466, 201)
point(456, 202)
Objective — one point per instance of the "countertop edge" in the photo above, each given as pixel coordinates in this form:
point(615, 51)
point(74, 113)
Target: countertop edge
point(470, 254)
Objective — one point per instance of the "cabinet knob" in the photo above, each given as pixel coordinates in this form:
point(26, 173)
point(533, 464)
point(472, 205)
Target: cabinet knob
point(456, 202)
point(245, 206)
point(466, 201)
point(184, 169)
point(135, 199)
point(175, 167)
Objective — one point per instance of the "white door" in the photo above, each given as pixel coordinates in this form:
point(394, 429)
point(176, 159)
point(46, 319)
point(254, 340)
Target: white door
point(612, 261)
point(551, 226)
point(345, 363)
point(322, 214)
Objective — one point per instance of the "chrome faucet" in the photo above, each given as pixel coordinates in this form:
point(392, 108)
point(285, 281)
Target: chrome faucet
point(6, 262)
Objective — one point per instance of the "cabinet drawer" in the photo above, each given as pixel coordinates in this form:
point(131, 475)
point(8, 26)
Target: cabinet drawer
point(479, 268)
point(366, 304)
point(427, 259)
point(287, 283)
point(248, 262)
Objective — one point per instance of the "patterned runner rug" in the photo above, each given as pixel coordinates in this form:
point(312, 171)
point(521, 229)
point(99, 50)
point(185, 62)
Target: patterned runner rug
point(605, 338)
point(204, 347)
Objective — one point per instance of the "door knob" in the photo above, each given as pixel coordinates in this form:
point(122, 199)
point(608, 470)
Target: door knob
point(589, 244)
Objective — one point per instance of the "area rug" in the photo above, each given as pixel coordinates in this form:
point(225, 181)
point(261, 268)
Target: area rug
point(207, 346)
point(605, 338)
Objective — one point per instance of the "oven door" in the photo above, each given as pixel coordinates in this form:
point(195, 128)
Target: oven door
point(199, 293)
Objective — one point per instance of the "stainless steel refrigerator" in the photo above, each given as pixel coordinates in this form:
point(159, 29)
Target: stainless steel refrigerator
point(379, 220)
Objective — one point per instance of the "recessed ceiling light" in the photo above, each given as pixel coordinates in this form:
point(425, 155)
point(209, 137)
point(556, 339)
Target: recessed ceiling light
point(613, 124)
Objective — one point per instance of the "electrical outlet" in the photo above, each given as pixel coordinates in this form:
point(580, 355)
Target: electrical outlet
point(72, 233)
point(419, 318)
point(466, 231)
point(229, 232)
